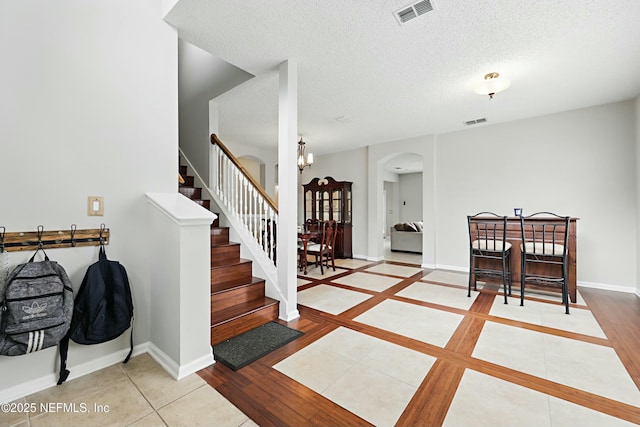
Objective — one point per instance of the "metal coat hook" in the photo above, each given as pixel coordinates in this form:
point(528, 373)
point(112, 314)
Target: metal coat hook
point(40, 231)
point(102, 228)
point(73, 233)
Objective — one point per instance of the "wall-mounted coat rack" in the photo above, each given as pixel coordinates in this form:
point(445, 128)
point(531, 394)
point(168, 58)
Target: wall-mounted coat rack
point(30, 240)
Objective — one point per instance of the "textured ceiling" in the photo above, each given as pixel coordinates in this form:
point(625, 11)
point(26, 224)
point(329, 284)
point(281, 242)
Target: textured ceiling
point(365, 79)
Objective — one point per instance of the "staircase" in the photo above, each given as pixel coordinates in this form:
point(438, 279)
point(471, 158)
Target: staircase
point(238, 301)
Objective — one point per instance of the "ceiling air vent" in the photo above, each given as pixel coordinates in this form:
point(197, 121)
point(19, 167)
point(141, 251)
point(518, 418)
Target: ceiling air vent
point(476, 121)
point(413, 11)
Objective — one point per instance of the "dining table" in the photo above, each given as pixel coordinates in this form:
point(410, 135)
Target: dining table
point(305, 236)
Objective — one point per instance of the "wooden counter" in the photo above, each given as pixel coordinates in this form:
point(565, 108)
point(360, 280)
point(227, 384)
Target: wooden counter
point(514, 236)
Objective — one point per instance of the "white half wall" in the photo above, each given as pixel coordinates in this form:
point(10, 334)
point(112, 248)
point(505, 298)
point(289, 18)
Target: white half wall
point(180, 282)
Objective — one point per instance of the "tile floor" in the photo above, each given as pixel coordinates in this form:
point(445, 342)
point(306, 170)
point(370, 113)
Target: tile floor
point(138, 394)
point(407, 257)
point(375, 378)
point(361, 373)
point(345, 365)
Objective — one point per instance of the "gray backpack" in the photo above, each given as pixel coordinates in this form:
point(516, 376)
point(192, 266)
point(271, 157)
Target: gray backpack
point(36, 308)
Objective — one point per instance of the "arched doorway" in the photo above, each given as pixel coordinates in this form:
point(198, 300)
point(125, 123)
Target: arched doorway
point(255, 167)
point(402, 207)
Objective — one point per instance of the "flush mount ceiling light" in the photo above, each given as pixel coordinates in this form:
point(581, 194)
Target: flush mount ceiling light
point(493, 84)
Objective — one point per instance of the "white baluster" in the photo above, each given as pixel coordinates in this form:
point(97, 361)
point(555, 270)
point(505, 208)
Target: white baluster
point(234, 190)
point(239, 195)
point(229, 179)
point(265, 218)
point(243, 186)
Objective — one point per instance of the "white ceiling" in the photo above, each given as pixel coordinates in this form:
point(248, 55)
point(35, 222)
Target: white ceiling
point(366, 79)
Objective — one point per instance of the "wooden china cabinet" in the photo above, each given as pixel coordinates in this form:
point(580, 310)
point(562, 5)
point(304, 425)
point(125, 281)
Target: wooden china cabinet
point(326, 198)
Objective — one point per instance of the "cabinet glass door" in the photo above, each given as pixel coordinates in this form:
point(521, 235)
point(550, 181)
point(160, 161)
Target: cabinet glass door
point(325, 213)
point(316, 203)
point(347, 214)
point(308, 203)
point(337, 205)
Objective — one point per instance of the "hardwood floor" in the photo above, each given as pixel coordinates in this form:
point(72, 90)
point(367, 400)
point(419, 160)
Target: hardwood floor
point(271, 398)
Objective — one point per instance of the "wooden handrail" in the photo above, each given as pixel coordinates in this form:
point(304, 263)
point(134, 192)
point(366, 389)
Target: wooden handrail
point(216, 141)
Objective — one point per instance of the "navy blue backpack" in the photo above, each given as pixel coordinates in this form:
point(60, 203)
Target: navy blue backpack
point(103, 307)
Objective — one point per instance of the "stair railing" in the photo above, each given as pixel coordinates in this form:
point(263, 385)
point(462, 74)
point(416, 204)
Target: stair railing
point(244, 197)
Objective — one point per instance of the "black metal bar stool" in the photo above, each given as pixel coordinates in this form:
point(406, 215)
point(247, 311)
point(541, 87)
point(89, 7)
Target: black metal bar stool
point(487, 241)
point(544, 252)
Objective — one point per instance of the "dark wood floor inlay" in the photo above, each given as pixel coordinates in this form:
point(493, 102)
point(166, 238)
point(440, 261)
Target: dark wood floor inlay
point(271, 398)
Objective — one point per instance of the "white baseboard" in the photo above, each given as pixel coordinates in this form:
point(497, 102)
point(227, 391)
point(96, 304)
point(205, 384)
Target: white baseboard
point(595, 285)
point(287, 317)
point(452, 268)
point(375, 259)
point(608, 287)
point(179, 371)
point(24, 389)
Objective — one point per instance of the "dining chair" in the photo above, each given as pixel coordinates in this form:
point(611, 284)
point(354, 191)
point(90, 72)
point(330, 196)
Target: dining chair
point(325, 250)
point(544, 253)
point(489, 252)
point(313, 225)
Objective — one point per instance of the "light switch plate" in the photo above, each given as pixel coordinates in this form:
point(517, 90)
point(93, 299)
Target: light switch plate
point(95, 206)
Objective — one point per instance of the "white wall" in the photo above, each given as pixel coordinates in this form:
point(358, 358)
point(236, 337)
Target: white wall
point(254, 167)
point(637, 106)
point(268, 157)
point(392, 214)
point(410, 197)
point(343, 166)
point(88, 108)
point(202, 77)
point(584, 163)
point(580, 163)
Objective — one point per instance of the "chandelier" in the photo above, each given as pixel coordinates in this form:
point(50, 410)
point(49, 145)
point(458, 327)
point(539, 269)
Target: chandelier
point(302, 162)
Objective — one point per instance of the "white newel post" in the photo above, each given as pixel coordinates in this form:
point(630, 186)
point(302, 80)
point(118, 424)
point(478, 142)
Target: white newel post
point(179, 251)
point(287, 191)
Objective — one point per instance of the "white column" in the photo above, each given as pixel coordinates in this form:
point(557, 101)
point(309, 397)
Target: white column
point(374, 205)
point(287, 190)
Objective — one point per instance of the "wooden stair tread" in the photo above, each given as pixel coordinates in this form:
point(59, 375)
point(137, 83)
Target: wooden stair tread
point(225, 244)
point(229, 286)
point(242, 261)
point(228, 314)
